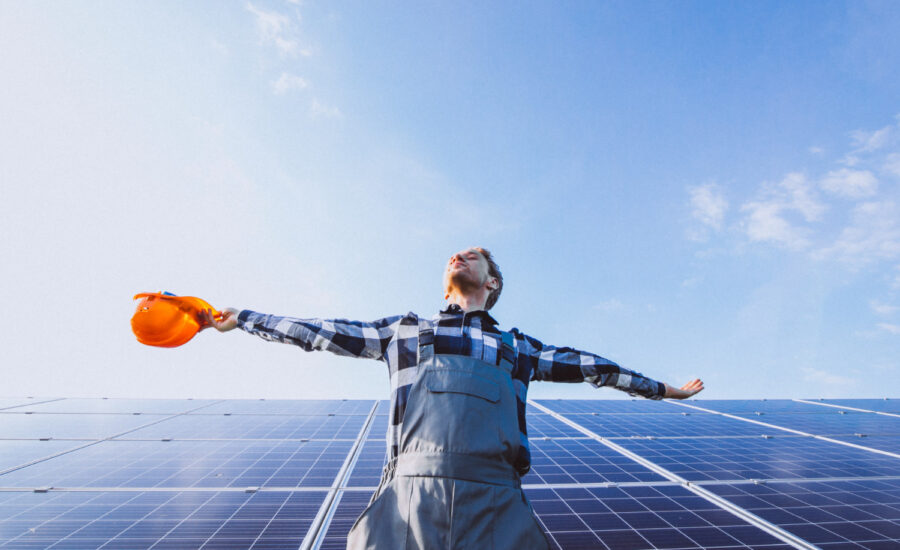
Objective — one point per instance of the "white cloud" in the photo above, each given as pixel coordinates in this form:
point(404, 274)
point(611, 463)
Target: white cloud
point(887, 327)
point(287, 82)
point(872, 235)
point(818, 376)
point(882, 308)
point(610, 305)
point(850, 183)
point(275, 29)
point(218, 46)
point(708, 206)
point(816, 150)
point(892, 164)
point(766, 219)
point(317, 110)
point(866, 142)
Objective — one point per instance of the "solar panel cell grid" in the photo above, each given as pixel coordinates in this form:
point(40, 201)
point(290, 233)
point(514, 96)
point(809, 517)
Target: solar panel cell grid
point(641, 518)
point(835, 423)
point(369, 464)
point(588, 406)
point(189, 464)
point(544, 425)
point(758, 458)
point(290, 407)
point(15, 453)
point(880, 405)
point(267, 444)
point(254, 427)
point(688, 423)
point(757, 405)
point(889, 443)
point(183, 520)
point(582, 461)
point(866, 513)
point(118, 406)
point(15, 425)
point(349, 508)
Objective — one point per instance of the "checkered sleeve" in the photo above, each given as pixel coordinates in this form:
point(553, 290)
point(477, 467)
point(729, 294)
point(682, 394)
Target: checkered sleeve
point(349, 338)
point(553, 364)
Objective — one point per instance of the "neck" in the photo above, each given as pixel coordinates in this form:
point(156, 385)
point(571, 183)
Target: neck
point(468, 301)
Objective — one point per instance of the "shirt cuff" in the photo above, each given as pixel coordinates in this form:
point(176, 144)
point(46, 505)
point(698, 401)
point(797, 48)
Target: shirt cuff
point(244, 320)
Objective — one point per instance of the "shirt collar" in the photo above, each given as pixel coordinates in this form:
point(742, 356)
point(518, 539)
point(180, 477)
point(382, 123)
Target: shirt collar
point(454, 309)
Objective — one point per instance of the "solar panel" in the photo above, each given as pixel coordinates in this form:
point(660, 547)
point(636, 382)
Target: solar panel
point(182, 520)
point(605, 474)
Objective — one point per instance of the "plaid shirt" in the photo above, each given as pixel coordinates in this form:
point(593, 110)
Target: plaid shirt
point(395, 340)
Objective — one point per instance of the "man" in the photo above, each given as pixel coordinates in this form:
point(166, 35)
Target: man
point(457, 439)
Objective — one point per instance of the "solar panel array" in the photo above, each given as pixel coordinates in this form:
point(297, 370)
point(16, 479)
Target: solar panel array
point(133, 474)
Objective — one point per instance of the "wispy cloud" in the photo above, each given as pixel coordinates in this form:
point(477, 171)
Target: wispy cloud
point(888, 327)
point(767, 220)
point(275, 29)
point(882, 308)
point(891, 164)
point(708, 205)
point(850, 183)
point(822, 377)
point(816, 150)
point(873, 234)
point(320, 110)
point(288, 82)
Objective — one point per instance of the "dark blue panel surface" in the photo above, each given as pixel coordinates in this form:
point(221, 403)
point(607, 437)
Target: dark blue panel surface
point(582, 461)
point(12, 403)
point(781, 457)
point(119, 406)
point(545, 425)
point(880, 405)
point(889, 443)
point(842, 514)
point(835, 422)
point(349, 508)
point(189, 464)
point(15, 425)
point(641, 518)
point(751, 406)
point(254, 427)
point(134, 520)
point(291, 407)
point(684, 424)
point(20, 452)
point(604, 406)
point(379, 427)
point(369, 464)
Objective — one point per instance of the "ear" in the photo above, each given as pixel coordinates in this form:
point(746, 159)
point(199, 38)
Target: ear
point(492, 283)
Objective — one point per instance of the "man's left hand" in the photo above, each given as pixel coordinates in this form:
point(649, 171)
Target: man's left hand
point(691, 388)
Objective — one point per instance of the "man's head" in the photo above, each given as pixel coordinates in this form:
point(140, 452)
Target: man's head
point(474, 271)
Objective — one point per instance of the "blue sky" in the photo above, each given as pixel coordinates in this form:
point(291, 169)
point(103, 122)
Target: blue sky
point(690, 189)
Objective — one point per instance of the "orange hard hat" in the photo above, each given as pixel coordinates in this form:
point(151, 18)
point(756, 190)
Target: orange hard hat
point(167, 321)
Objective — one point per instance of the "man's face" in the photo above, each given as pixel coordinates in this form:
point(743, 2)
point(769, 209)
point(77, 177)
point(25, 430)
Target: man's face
point(466, 270)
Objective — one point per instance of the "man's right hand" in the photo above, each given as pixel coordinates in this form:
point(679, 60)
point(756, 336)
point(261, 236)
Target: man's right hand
point(227, 321)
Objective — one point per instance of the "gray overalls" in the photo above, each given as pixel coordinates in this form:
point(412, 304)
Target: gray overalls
point(453, 484)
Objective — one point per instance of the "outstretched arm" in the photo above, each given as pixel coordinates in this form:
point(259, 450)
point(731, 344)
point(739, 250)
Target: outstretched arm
point(555, 364)
point(339, 336)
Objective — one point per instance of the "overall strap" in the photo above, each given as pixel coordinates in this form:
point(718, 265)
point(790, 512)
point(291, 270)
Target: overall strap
point(426, 342)
point(507, 351)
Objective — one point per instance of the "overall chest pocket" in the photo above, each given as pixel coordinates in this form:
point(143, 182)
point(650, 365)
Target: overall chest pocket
point(461, 382)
